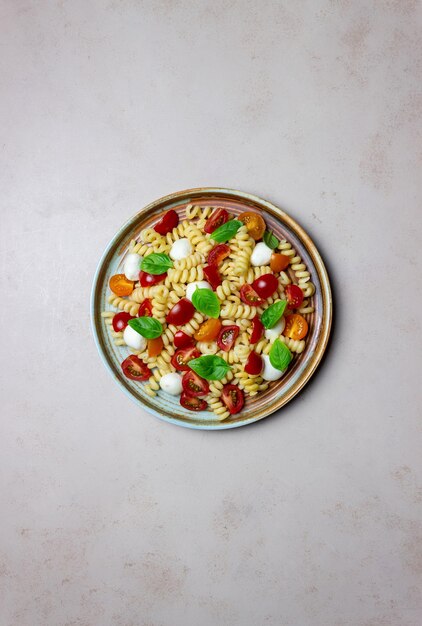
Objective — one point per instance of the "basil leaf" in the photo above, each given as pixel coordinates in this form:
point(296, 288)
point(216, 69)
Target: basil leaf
point(205, 301)
point(280, 355)
point(226, 231)
point(210, 367)
point(274, 312)
point(148, 327)
point(270, 240)
point(156, 263)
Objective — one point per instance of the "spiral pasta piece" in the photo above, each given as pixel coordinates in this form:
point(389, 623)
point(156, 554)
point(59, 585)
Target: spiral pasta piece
point(207, 347)
point(298, 267)
point(184, 276)
point(251, 384)
point(241, 248)
point(218, 408)
point(124, 305)
point(296, 346)
point(198, 239)
point(191, 327)
point(194, 211)
point(233, 310)
point(191, 261)
point(160, 303)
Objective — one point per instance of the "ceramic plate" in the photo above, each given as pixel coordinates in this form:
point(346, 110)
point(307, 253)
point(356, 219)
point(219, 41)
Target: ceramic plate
point(302, 367)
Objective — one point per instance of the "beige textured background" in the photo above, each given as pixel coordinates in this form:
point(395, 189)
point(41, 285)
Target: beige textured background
point(109, 516)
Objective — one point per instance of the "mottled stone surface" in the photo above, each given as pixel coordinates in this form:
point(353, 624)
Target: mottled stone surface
point(108, 516)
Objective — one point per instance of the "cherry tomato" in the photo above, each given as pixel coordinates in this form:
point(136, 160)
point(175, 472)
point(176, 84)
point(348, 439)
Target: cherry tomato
point(294, 296)
point(218, 218)
point(120, 321)
point(218, 253)
point(249, 296)
point(193, 385)
point(181, 313)
point(254, 223)
point(257, 329)
point(233, 398)
point(208, 331)
point(155, 346)
point(166, 224)
point(227, 337)
point(213, 276)
point(279, 262)
point(254, 363)
point(181, 357)
point(296, 327)
point(145, 308)
point(121, 286)
point(148, 280)
point(193, 404)
point(182, 340)
point(135, 369)
point(265, 285)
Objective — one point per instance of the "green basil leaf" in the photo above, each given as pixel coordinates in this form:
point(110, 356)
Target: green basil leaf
point(226, 231)
point(280, 355)
point(210, 367)
point(148, 327)
point(270, 240)
point(273, 313)
point(156, 263)
point(205, 301)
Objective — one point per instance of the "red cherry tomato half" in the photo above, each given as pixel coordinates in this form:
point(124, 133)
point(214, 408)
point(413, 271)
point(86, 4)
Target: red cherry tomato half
point(218, 253)
point(218, 218)
point(233, 398)
point(193, 404)
point(166, 224)
point(194, 385)
point(227, 337)
point(182, 340)
point(135, 369)
point(181, 313)
point(212, 275)
point(120, 321)
point(249, 296)
point(181, 357)
point(148, 280)
point(294, 296)
point(257, 329)
point(254, 364)
point(145, 308)
point(265, 285)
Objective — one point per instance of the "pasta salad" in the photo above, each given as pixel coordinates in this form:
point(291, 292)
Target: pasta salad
point(211, 308)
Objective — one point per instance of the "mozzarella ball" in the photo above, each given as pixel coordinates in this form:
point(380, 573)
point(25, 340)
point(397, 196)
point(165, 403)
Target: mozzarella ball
point(275, 331)
point(270, 373)
point(132, 266)
point(261, 254)
point(171, 383)
point(133, 339)
point(181, 249)
point(200, 284)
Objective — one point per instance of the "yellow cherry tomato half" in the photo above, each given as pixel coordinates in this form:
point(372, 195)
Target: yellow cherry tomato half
point(120, 285)
point(155, 346)
point(296, 327)
point(279, 262)
point(254, 223)
point(208, 330)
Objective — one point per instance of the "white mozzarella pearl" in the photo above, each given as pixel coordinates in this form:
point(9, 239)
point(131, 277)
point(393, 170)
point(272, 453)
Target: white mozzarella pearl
point(261, 254)
point(270, 373)
point(181, 249)
point(171, 383)
point(133, 339)
point(275, 331)
point(200, 284)
point(132, 266)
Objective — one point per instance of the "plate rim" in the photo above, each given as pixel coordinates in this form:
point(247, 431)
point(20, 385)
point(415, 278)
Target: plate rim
point(327, 309)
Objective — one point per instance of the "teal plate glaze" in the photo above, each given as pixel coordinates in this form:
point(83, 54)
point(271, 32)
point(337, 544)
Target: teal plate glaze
point(303, 365)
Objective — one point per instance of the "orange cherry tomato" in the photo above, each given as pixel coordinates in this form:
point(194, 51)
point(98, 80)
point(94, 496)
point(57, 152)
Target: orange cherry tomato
point(120, 285)
point(155, 346)
point(279, 262)
point(296, 327)
point(254, 223)
point(208, 330)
